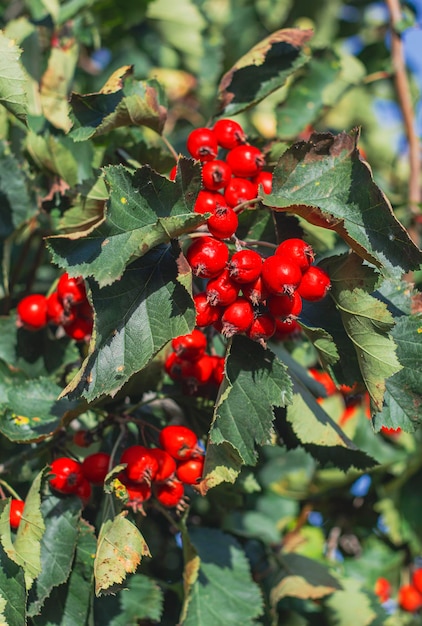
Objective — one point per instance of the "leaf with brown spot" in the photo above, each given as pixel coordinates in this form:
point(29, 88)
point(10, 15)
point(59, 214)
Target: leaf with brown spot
point(120, 549)
point(265, 68)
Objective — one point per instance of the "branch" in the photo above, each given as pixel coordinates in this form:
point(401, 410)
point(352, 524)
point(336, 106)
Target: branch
point(406, 105)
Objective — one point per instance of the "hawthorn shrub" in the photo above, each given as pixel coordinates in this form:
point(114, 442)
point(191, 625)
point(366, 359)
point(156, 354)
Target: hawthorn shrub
point(210, 352)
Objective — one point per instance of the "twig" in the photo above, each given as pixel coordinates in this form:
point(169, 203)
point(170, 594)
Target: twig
point(406, 105)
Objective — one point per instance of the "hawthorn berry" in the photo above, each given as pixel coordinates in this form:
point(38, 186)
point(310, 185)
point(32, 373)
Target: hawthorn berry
point(216, 174)
point(298, 250)
point(315, 284)
point(222, 290)
point(169, 494)
point(55, 309)
point(79, 329)
point(417, 579)
point(286, 306)
point(223, 222)
point(66, 475)
point(16, 510)
point(166, 464)
point(265, 179)
point(173, 366)
point(237, 317)
point(191, 346)
point(255, 291)
point(207, 256)
point(218, 369)
point(142, 466)
point(409, 598)
point(190, 471)
point(208, 201)
point(197, 373)
point(84, 491)
point(239, 190)
point(179, 441)
point(245, 161)
point(245, 266)
point(262, 328)
point(32, 312)
point(229, 133)
point(71, 290)
point(382, 588)
point(281, 275)
point(95, 467)
point(206, 314)
point(202, 144)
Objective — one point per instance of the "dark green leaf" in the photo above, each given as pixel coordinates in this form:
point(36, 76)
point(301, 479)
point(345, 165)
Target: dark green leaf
point(265, 68)
point(325, 182)
point(123, 101)
point(255, 382)
point(220, 589)
point(58, 545)
point(135, 318)
point(144, 210)
point(12, 591)
point(13, 94)
point(16, 202)
point(403, 401)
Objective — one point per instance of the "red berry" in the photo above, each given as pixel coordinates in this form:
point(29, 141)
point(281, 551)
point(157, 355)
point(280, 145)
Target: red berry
point(255, 291)
point(286, 329)
point(218, 369)
point(409, 598)
point(71, 290)
point(315, 284)
point(32, 312)
point(285, 307)
point(245, 266)
point(137, 492)
point(173, 366)
point(55, 309)
point(237, 317)
point(297, 250)
point(166, 464)
point(207, 256)
point(265, 179)
point(229, 133)
point(223, 223)
point(67, 475)
point(179, 441)
point(95, 467)
point(190, 471)
point(173, 172)
point(169, 494)
point(239, 190)
point(245, 161)
point(280, 275)
point(84, 491)
point(222, 290)
point(141, 465)
point(202, 144)
point(262, 328)
point(206, 314)
point(16, 510)
point(216, 174)
point(82, 438)
point(382, 589)
point(208, 201)
point(79, 329)
point(191, 346)
point(198, 372)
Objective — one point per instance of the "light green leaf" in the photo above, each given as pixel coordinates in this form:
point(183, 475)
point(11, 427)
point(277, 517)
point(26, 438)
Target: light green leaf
point(13, 94)
point(222, 593)
point(325, 182)
point(351, 606)
point(144, 210)
point(256, 381)
point(135, 318)
point(263, 69)
point(119, 551)
point(56, 83)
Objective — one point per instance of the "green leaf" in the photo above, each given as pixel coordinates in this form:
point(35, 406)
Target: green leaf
point(58, 546)
point(17, 204)
point(142, 599)
point(71, 602)
point(26, 549)
point(123, 101)
point(303, 578)
point(135, 318)
point(366, 321)
point(32, 411)
point(12, 591)
point(222, 593)
point(351, 606)
point(13, 94)
point(262, 70)
point(119, 552)
point(255, 382)
point(144, 210)
point(402, 401)
point(325, 182)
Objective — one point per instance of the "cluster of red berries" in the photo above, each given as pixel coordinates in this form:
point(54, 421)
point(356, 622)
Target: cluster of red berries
point(409, 595)
point(162, 471)
point(66, 307)
point(200, 373)
point(246, 293)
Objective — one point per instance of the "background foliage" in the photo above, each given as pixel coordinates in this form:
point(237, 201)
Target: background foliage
point(299, 513)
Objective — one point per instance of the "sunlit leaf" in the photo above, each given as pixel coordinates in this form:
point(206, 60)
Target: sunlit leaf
point(13, 94)
point(56, 82)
